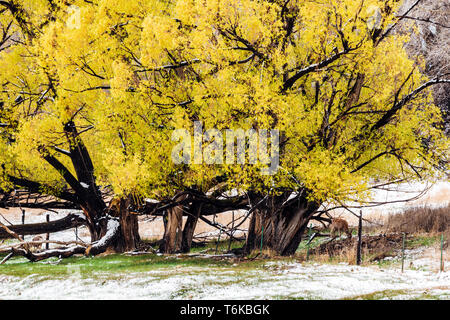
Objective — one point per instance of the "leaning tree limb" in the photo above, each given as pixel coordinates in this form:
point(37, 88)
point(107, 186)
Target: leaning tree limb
point(70, 221)
point(10, 233)
point(113, 229)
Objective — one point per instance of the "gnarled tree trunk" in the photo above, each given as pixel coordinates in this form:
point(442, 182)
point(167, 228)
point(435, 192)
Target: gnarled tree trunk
point(189, 227)
point(192, 205)
point(173, 229)
point(278, 224)
point(128, 238)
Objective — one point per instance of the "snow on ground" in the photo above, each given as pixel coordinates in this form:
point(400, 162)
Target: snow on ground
point(276, 281)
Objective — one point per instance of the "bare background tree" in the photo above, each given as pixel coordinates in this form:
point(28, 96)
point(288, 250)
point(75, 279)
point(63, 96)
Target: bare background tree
point(431, 18)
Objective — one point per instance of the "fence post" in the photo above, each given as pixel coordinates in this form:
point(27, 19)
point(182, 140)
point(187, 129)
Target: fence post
point(442, 252)
point(47, 245)
point(308, 243)
point(403, 251)
point(218, 240)
point(358, 247)
point(232, 231)
point(23, 221)
point(262, 237)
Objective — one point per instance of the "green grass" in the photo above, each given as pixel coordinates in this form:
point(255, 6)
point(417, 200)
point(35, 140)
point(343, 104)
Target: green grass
point(314, 243)
point(422, 241)
point(115, 263)
point(396, 294)
point(377, 295)
point(222, 246)
point(119, 264)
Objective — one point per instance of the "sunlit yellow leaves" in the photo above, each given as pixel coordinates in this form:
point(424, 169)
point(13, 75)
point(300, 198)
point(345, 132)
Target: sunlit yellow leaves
point(159, 34)
point(130, 72)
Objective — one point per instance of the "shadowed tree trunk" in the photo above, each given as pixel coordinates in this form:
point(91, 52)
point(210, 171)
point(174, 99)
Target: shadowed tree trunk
point(192, 205)
point(173, 228)
point(278, 224)
point(128, 238)
point(189, 226)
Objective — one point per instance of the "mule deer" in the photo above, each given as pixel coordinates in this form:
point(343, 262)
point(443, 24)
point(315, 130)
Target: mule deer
point(340, 225)
point(36, 247)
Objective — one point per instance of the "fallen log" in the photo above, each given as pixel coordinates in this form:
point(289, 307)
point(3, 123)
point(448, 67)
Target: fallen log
point(60, 253)
point(7, 248)
point(70, 221)
point(113, 228)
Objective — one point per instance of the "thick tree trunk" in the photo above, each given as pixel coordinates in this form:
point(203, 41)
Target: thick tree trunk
point(189, 227)
point(108, 240)
point(171, 241)
point(127, 238)
point(278, 225)
point(173, 225)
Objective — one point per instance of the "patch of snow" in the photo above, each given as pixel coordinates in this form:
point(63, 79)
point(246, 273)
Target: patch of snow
point(289, 280)
point(84, 185)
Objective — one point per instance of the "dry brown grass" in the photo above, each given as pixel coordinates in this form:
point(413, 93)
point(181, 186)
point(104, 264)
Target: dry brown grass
point(420, 220)
point(374, 247)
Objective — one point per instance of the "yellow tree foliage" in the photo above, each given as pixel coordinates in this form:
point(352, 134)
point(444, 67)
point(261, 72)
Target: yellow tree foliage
point(351, 106)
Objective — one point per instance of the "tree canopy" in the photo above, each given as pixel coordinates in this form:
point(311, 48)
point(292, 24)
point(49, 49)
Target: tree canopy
point(351, 106)
point(322, 72)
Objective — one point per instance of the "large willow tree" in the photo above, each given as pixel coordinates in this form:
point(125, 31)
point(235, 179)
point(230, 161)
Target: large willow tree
point(92, 92)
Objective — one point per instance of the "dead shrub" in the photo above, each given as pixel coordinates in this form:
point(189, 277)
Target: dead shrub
point(420, 220)
point(374, 248)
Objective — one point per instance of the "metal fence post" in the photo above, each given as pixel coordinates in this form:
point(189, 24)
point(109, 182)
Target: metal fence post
point(262, 237)
point(442, 252)
point(47, 245)
point(403, 251)
point(307, 245)
point(358, 248)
